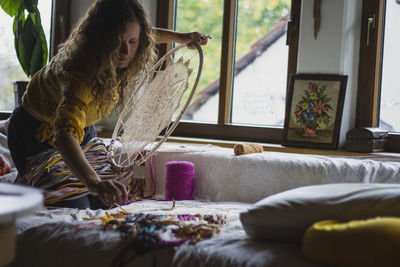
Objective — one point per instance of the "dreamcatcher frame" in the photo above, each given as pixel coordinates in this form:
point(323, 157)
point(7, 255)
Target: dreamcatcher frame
point(139, 160)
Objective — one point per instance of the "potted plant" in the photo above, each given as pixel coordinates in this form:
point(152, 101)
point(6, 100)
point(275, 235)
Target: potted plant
point(30, 41)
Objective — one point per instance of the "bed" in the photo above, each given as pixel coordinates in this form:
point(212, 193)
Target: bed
point(237, 186)
point(46, 239)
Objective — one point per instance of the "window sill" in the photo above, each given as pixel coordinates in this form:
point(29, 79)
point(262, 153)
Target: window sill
point(266, 146)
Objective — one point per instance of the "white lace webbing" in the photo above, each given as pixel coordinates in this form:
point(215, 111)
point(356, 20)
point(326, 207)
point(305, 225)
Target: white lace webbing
point(155, 107)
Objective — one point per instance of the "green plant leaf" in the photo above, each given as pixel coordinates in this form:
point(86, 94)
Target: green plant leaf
point(36, 58)
point(28, 38)
point(30, 41)
point(19, 21)
point(19, 48)
point(38, 21)
point(11, 7)
point(44, 48)
point(40, 51)
point(31, 5)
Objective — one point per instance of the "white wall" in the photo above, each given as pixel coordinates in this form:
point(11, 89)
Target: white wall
point(78, 9)
point(336, 49)
point(151, 7)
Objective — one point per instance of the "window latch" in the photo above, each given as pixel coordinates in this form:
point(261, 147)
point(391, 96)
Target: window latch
point(61, 20)
point(291, 24)
point(370, 25)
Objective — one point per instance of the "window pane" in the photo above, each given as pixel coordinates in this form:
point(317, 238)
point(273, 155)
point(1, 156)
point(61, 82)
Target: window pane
point(10, 69)
point(45, 7)
point(204, 16)
point(261, 58)
point(390, 97)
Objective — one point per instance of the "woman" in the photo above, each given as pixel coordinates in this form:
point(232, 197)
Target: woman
point(90, 75)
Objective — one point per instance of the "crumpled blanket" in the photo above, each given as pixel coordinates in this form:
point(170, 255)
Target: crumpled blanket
point(143, 233)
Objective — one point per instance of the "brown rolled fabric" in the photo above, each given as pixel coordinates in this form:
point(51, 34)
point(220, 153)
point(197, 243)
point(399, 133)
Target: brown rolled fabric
point(242, 149)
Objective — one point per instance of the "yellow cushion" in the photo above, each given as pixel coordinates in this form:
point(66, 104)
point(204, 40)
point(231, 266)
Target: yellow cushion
point(371, 242)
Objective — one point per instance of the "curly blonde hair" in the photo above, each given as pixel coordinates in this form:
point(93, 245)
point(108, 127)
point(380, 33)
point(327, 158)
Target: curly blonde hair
point(93, 48)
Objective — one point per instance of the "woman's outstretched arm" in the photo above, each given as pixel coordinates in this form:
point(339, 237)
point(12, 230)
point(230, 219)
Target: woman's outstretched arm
point(165, 36)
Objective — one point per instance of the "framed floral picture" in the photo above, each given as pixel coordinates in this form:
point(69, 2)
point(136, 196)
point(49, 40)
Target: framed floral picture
point(314, 110)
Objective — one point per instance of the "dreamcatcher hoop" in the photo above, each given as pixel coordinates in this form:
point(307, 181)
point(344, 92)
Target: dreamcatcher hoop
point(128, 164)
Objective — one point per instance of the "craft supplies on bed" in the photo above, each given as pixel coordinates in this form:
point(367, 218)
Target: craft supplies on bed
point(143, 233)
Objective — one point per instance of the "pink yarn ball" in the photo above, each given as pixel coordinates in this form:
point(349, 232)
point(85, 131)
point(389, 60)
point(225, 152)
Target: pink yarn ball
point(179, 180)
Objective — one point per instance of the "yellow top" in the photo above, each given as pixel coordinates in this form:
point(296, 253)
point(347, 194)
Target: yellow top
point(63, 103)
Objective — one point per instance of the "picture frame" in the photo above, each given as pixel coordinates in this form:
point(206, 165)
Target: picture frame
point(314, 110)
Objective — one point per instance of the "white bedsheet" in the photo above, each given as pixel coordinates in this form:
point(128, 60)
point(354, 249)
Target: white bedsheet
point(44, 239)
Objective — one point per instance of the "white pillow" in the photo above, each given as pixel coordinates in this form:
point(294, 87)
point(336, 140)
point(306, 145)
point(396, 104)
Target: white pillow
point(287, 215)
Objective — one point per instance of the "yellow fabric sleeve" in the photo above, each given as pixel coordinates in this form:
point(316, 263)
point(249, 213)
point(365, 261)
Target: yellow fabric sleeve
point(371, 242)
point(64, 102)
point(73, 108)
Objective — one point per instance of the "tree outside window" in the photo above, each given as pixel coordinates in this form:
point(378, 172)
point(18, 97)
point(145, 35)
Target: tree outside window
point(260, 68)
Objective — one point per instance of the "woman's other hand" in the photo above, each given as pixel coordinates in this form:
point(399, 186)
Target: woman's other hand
point(191, 37)
point(165, 36)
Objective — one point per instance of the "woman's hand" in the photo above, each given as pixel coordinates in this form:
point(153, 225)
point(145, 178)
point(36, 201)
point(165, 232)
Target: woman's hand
point(191, 37)
point(109, 191)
